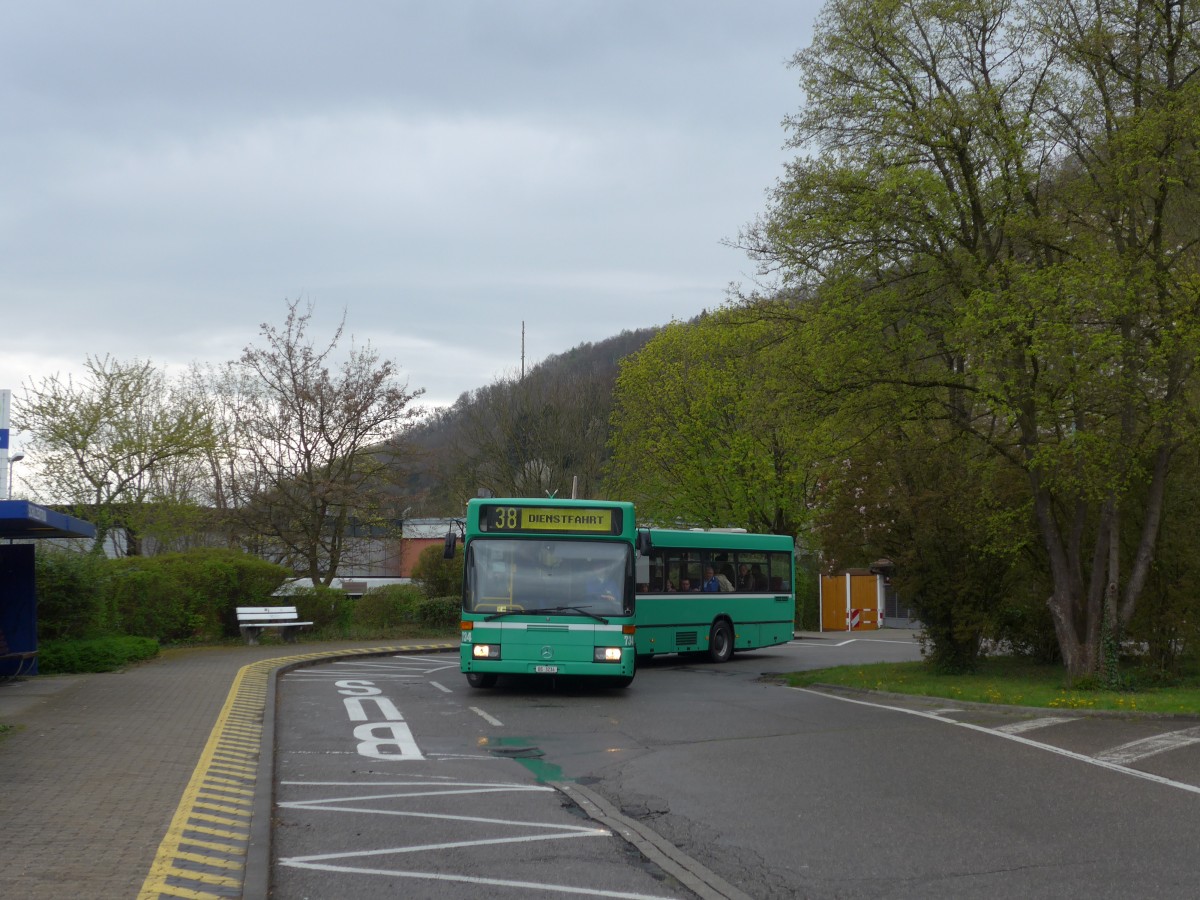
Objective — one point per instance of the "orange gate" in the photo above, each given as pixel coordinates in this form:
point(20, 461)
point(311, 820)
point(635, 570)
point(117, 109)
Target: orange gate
point(851, 601)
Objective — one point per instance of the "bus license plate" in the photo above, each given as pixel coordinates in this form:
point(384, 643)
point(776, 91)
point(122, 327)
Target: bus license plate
point(546, 670)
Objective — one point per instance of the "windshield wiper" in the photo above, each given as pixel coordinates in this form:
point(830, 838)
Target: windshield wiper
point(545, 609)
point(508, 612)
point(579, 609)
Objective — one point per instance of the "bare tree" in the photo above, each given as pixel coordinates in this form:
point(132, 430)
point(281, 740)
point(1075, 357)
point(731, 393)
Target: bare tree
point(318, 447)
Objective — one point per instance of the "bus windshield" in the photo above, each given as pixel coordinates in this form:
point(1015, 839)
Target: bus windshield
point(507, 575)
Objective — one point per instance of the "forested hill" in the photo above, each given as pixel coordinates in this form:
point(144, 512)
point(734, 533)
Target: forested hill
point(522, 436)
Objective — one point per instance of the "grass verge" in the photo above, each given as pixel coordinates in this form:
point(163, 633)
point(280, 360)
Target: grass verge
point(1006, 681)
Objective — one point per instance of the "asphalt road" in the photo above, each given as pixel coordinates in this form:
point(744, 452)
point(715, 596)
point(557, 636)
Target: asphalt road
point(394, 776)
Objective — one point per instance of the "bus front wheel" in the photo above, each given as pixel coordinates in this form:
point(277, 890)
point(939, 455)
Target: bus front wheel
point(481, 679)
point(720, 642)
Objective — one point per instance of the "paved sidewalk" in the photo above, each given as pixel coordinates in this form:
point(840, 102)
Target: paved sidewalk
point(97, 765)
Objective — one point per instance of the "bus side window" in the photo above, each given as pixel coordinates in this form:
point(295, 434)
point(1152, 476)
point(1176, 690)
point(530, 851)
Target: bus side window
point(781, 573)
point(722, 565)
point(658, 572)
point(672, 570)
point(683, 572)
point(745, 581)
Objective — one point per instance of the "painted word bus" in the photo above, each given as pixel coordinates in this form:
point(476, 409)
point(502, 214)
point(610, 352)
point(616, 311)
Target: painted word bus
point(548, 589)
point(714, 592)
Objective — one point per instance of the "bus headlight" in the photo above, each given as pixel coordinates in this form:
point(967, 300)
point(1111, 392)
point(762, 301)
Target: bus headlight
point(485, 651)
point(607, 654)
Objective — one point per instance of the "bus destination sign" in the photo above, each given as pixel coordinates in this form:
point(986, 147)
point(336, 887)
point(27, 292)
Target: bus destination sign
point(547, 519)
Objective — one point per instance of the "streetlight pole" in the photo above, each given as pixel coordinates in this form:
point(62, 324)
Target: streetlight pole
point(15, 458)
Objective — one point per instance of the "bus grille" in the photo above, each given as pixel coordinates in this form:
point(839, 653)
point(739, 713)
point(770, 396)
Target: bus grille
point(685, 638)
point(556, 628)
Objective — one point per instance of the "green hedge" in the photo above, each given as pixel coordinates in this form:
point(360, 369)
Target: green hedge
point(173, 597)
point(380, 612)
point(72, 602)
point(193, 596)
point(387, 607)
point(97, 655)
point(189, 596)
point(440, 612)
point(329, 609)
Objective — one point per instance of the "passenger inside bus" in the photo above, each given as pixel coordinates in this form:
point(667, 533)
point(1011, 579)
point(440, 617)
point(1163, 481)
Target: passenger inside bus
point(760, 579)
point(746, 578)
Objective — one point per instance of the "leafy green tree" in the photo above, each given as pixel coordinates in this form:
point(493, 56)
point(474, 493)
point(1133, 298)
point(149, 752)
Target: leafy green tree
point(119, 446)
point(707, 431)
point(437, 576)
point(993, 218)
point(1167, 621)
point(951, 519)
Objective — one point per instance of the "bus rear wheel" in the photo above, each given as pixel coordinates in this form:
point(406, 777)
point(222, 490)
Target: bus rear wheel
point(481, 679)
point(720, 642)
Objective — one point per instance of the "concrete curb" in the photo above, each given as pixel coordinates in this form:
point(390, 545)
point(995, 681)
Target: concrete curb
point(692, 874)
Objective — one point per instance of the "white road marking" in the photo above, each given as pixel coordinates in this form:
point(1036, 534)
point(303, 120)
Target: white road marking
point(304, 674)
point(479, 712)
point(358, 713)
point(1159, 743)
point(450, 845)
point(811, 643)
point(397, 667)
point(337, 862)
point(425, 779)
point(1033, 724)
point(494, 882)
point(374, 736)
point(489, 757)
point(441, 687)
point(396, 795)
point(1079, 757)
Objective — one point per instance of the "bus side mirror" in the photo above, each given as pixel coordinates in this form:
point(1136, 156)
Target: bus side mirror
point(643, 543)
point(451, 541)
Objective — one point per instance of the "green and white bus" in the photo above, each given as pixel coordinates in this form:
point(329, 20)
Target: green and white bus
point(548, 589)
point(714, 592)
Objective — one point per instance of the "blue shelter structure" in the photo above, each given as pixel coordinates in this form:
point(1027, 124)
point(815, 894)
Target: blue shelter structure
point(21, 520)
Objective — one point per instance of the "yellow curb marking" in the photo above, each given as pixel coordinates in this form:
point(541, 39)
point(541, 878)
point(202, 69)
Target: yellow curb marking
point(239, 724)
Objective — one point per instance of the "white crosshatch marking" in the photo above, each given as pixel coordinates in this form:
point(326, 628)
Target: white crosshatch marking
point(397, 667)
point(1159, 743)
point(1032, 724)
point(518, 832)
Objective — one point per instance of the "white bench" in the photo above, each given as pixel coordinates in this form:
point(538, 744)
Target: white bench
point(253, 619)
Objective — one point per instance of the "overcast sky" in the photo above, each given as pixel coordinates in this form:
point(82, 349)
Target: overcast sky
point(172, 173)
